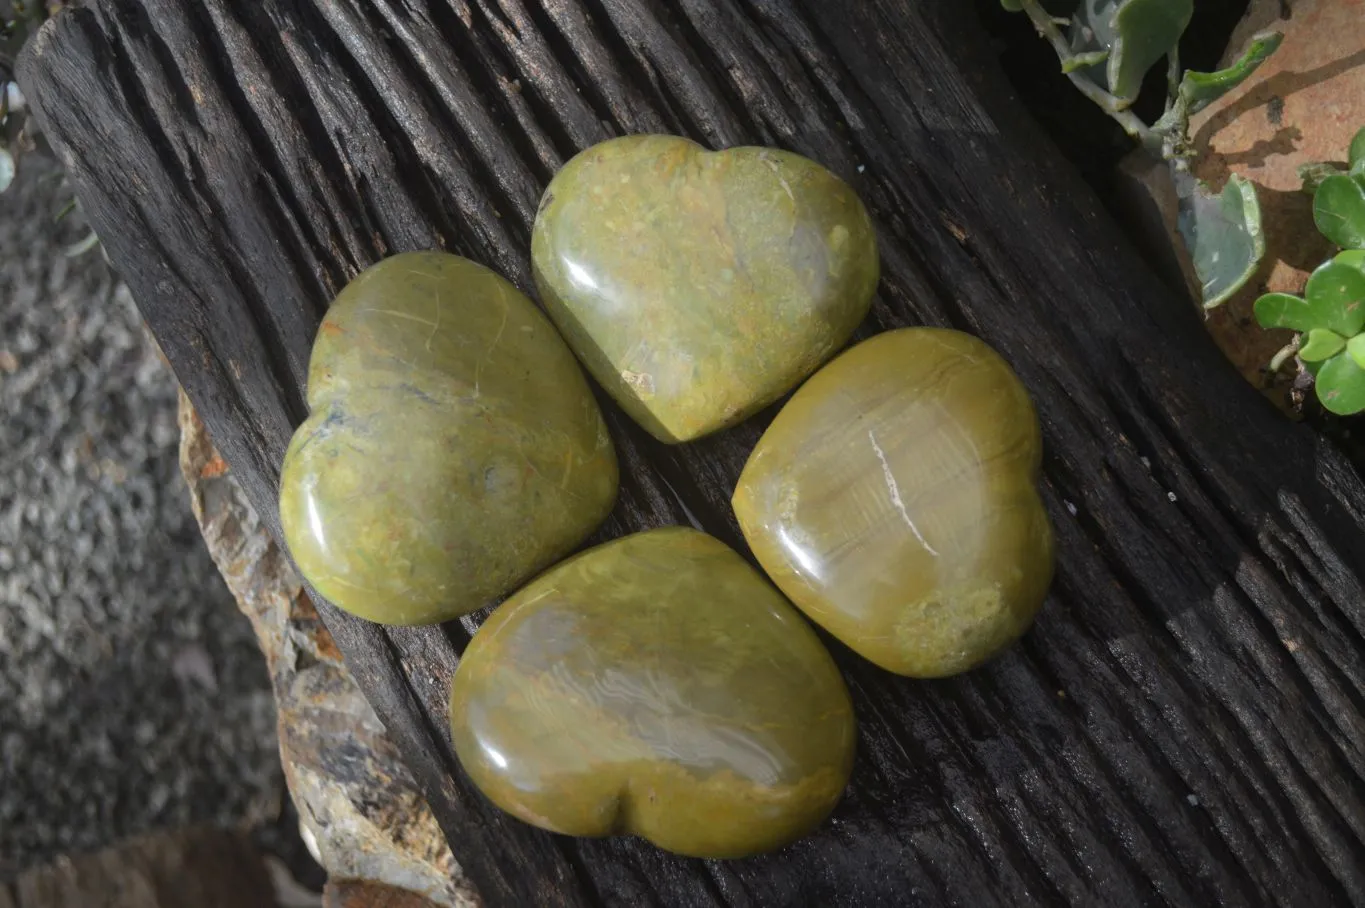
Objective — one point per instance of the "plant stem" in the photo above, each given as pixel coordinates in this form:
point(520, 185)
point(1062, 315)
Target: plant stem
point(1111, 105)
point(81, 247)
point(1172, 78)
point(1286, 351)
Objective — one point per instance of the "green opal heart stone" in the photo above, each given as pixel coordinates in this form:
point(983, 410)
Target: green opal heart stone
point(453, 447)
point(697, 286)
point(657, 686)
point(894, 500)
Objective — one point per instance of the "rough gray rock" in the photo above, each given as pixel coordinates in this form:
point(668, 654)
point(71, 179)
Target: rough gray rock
point(132, 693)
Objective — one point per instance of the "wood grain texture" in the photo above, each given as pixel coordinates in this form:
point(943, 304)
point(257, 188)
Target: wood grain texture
point(1184, 725)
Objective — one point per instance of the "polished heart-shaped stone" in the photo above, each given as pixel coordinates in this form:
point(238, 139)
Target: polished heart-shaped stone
point(700, 286)
point(657, 686)
point(452, 450)
point(894, 500)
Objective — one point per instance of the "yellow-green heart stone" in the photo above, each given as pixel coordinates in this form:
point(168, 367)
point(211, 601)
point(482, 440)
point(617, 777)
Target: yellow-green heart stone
point(657, 686)
point(453, 447)
point(700, 286)
point(894, 501)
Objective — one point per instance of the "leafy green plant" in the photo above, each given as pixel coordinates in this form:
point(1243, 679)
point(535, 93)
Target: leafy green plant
point(1106, 48)
point(1330, 316)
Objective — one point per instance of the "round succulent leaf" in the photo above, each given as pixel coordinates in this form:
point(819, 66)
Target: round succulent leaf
point(1222, 233)
point(1355, 348)
point(1336, 296)
point(1357, 153)
point(1355, 258)
point(1284, 310)
point(1321, 344)
point(1339, 210)
point(1341, 385)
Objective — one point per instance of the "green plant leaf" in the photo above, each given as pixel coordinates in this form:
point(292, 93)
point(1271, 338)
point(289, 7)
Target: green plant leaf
point(1013, 6)
point(1355, 258)
point(1321, 344)
point(1092, 31)
point(1222, 233)
point(1336, 296)
point(1339, 210)
point(1145, 31)
point(1283, 310)
point(1334, 300)
point(1199, 90)
point(1341, 385)
point(1085, 60)
point(1355, 348)
point(1356, 156)
point(1136, 33)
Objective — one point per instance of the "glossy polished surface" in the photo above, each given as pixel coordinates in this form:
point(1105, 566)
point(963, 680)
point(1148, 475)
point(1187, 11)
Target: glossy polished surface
point(658, 686)
point(894, 500)
point(700, 286)
point(453, 447)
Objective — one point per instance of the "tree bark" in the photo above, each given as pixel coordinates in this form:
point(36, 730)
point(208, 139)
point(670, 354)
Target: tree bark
point(1183, 725)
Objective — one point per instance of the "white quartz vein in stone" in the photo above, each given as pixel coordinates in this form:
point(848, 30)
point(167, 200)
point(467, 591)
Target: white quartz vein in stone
point(895, 491)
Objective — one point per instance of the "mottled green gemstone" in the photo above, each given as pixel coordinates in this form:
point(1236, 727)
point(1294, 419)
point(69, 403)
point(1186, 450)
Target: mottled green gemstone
point(657, 686)
point(453, 447)
point(894, 500)
point(700, 286)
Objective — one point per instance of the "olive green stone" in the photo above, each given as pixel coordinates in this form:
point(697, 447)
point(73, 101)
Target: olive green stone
point(699, 286)
point(453, 447)
point(657, 686)
point(894, 501)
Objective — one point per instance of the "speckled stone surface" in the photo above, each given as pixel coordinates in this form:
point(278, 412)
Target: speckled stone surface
point(658, 686)
point(453, 447)
point(132, 695)
point(700, 286)
point(893, 499)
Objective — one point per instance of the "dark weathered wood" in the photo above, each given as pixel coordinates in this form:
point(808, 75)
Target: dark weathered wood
point(1184, 725)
